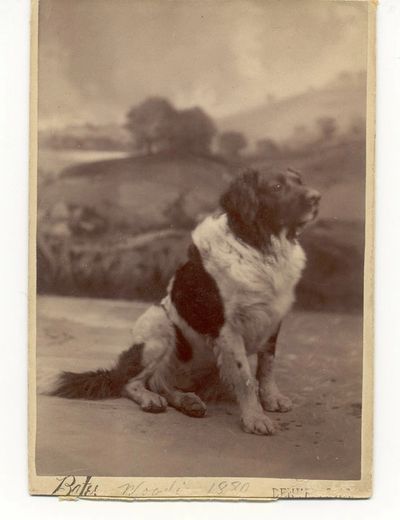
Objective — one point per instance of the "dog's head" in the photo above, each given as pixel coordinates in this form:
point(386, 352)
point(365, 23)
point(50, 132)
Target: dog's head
point(261, 204)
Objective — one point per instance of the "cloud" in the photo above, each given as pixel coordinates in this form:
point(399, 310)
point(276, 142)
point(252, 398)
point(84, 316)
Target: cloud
point(99, 58)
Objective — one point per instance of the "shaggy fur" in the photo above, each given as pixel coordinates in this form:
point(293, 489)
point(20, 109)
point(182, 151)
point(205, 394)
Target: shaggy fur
point(224, 304)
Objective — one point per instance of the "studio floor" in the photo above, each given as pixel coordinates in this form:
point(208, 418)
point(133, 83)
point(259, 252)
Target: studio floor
point(319, 365)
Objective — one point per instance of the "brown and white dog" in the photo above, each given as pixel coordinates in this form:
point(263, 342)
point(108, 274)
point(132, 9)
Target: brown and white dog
point(223, 305)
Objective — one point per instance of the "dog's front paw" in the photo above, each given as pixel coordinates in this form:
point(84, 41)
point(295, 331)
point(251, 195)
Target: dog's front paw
point(153, 403)
point(258, 423)
point(276, 402)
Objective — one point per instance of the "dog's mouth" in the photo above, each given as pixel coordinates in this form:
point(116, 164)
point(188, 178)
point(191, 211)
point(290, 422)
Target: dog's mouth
point(307, 218)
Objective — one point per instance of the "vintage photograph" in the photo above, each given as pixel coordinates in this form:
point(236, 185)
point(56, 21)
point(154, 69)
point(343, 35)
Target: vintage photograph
point(201, 274)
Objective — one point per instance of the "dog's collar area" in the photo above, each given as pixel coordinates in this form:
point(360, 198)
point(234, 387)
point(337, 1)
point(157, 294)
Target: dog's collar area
point(299, 230)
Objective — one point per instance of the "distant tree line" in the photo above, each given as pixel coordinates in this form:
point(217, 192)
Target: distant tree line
point(231, 144)
point(157, 126)
point(324, 132)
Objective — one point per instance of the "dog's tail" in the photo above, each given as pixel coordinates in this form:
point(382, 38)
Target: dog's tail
point(100, 384)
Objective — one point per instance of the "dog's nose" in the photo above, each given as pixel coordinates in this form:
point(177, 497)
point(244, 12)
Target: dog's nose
point(313, 196)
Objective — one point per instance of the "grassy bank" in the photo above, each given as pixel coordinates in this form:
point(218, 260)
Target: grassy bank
point(119, 228)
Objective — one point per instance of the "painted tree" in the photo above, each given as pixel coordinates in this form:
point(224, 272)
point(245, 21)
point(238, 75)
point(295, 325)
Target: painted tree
point(157, 126)
point(267, 148)
point(231, 144)
point(152, 124)
point(194, 131)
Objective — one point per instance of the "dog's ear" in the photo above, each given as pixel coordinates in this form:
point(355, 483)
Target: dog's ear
point(241, 201)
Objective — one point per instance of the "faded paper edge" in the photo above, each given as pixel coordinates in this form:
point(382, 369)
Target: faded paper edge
point(212, 488)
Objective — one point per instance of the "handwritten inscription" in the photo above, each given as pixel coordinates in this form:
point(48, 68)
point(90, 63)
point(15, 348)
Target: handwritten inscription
point(229, 488)
point(182, 488)
point(71, 486)
point(145, 489)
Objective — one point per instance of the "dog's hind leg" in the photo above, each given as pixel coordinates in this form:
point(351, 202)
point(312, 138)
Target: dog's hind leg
point(157, 337)
point(163, 381)
point(147, 400)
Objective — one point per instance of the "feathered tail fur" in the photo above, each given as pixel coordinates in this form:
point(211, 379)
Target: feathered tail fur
point(101, 384)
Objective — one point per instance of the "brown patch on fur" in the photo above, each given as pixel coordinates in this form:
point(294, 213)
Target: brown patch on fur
point(196, 296)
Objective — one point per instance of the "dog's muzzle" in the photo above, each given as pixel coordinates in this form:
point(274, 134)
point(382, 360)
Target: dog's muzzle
point(312, 198)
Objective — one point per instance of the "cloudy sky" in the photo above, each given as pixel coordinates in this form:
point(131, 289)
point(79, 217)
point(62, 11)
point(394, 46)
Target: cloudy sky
point(98, 57)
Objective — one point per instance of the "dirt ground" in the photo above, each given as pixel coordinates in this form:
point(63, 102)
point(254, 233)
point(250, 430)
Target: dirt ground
point(319, 366)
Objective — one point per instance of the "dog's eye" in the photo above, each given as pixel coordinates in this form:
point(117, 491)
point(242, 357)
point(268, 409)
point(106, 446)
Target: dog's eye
point(277, 187)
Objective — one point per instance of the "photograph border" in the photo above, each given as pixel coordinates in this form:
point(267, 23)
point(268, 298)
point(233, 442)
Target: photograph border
point(215, 488)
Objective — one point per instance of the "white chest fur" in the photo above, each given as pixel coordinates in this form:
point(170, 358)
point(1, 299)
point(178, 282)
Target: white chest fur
point(257, 288)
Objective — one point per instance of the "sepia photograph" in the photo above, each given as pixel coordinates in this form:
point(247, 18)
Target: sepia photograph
point(201, 275)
